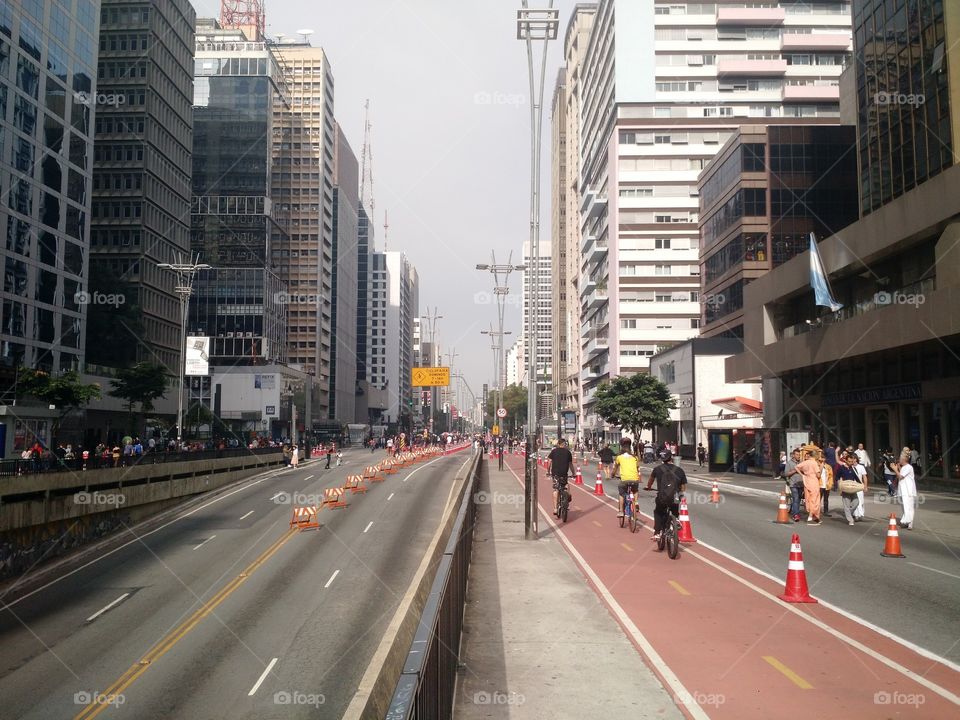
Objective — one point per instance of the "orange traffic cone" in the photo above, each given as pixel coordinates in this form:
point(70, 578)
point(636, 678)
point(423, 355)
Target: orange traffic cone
point(783, 512)
point(796, 588)
point(598, 488)
point(579, 478)
point(686, 530)
point(892, 548)
point(715, 493)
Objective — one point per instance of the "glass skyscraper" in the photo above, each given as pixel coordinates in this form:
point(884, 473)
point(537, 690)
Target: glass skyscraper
point(47, 97)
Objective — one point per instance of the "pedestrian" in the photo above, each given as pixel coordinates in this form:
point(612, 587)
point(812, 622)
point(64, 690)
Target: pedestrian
point(809, 471)
point(890, 472)
point(826, 485)
point(329, 455)
point(794, 483)
point(702, 454)
point(606, 459)
point(848, 481)
point(339, 458)
point(860, 511)
point(294, 457)
point(907, 489)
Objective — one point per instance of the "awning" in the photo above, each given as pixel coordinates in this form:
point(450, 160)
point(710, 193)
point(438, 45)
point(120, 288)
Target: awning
point(740, 405)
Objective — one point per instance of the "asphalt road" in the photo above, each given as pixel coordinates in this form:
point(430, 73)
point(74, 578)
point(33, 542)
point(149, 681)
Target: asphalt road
point(914, 598)
point(226, 613)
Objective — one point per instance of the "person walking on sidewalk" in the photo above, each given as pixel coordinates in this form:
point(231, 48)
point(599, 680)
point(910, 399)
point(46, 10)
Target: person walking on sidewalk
point(701, 454)
point(558, 467)
point(907, 488)
point(860, 512)
point(809, 471)
point(794, 482)
point(671, 482)
point(627, 469)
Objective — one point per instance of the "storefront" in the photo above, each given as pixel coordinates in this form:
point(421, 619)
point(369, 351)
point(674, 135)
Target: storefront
point(736, 442)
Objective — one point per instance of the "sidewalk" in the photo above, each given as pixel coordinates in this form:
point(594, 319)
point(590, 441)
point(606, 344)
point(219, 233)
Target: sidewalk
point(537, 641)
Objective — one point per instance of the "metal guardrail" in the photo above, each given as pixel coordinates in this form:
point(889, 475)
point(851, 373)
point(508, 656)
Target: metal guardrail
point(55, 464)
point(426, 685)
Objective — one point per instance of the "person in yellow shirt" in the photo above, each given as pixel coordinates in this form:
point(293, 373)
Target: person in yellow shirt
point(626, 468)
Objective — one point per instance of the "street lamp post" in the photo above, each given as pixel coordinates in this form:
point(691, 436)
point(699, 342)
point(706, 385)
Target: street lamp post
point(184, 289)
point(541, 25)
point(432, 322)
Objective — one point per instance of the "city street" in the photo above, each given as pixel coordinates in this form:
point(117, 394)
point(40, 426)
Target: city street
point(713, 617)
point(225, 612)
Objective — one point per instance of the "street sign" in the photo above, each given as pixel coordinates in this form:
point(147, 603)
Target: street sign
point(430, 376)
point(495, 430)
point(502, 413)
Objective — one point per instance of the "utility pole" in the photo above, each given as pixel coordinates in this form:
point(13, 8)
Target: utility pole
point(432, 325)
point(184, 289)
point(534, 25)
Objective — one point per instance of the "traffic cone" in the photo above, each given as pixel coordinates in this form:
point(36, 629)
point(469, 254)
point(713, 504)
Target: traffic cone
point(892, 548)
point(598, 488)
point(579, 479)
point(686, 530)
point(783, 512)
point(796, 588)
point(715, 493)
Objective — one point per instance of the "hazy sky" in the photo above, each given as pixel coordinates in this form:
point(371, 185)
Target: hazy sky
point(448, 90)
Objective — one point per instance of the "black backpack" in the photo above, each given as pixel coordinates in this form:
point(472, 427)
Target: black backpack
point(669, 484)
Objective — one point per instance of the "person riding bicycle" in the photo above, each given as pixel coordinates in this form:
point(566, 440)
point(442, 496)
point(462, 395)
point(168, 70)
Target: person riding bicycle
point(558, 467)
point(626, 468)
point(671, 482)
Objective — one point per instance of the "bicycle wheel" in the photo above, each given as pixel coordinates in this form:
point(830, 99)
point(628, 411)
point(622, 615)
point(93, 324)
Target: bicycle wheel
point(633, 520)
point(662, 540)
point(673, 543)
point(622, 517)
point(564, 508)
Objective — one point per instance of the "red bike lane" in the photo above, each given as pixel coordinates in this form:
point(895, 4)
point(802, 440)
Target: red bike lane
point(722, 643)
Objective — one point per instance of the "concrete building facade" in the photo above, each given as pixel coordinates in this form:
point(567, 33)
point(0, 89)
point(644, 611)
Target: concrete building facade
point(883, 369)
point(665, 85)
point(141, 178)
point(343, 361)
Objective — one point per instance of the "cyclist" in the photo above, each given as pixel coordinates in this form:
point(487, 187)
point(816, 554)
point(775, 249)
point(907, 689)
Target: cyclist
point(671, 482)
point(558, 467)
point(627, 469)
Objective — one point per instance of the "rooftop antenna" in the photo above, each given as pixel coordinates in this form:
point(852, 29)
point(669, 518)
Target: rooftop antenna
point(366, 172)
point(244, 14)
point(386, 228)
point(306, 32)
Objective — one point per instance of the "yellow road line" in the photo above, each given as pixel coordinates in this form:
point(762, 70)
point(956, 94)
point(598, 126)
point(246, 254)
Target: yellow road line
point(626, 547)
point(791, 675)
point(678, 587)
point(597, 524)
point(173, 637)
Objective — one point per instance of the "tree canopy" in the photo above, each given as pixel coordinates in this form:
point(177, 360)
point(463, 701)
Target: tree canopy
point(635, 403)
point(64, 390)
point(140, 384)
point(515, 401)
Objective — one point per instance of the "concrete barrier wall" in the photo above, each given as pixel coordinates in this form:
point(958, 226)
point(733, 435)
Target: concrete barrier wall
point(45, 515)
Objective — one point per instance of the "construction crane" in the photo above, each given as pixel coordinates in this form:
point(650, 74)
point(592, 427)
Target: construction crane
point(245, 15)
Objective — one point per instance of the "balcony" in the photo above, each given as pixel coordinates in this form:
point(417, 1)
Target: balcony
point(597, 344)
point(596, 298)
point(753, 68)
point(588, 240)
point(593, 204)
point(751, 16)
point(597, 252)
point(588, 287)
point(590, 374)
point(808, 93)
point(816, 41)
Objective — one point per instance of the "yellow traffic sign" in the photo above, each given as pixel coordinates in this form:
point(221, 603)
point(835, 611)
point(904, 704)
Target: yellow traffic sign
point(495, 430)
point(430, 376)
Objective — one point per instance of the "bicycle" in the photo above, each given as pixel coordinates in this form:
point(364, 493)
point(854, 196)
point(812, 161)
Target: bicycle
point(631, 510)
point(670, 535)
point(563, 498)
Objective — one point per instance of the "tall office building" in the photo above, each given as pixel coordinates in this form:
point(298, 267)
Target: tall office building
point(566, 237)
point(394, 303)
point(48, 89)
point(343, 347)
point(365, 241)
point(141, 178)
point(544, 342)
point(883, 369)
point(242, 302)
point(304, 189)
point(665, 84)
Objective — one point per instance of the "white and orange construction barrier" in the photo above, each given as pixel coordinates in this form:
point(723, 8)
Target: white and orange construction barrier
point(333, 498)
point(796, 590)
point(892, 546)
point(783, 512)
point(354, 483)
point(373, 473)
point(305, 518)
point(686, 529)
point(388, 466)
point(715, 493)
point(598, 485)
point(579, 478)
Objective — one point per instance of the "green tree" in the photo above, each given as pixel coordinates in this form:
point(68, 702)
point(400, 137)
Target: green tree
point(514, 400)
point(635, 403)
point(141, 384)
point(65, 391)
